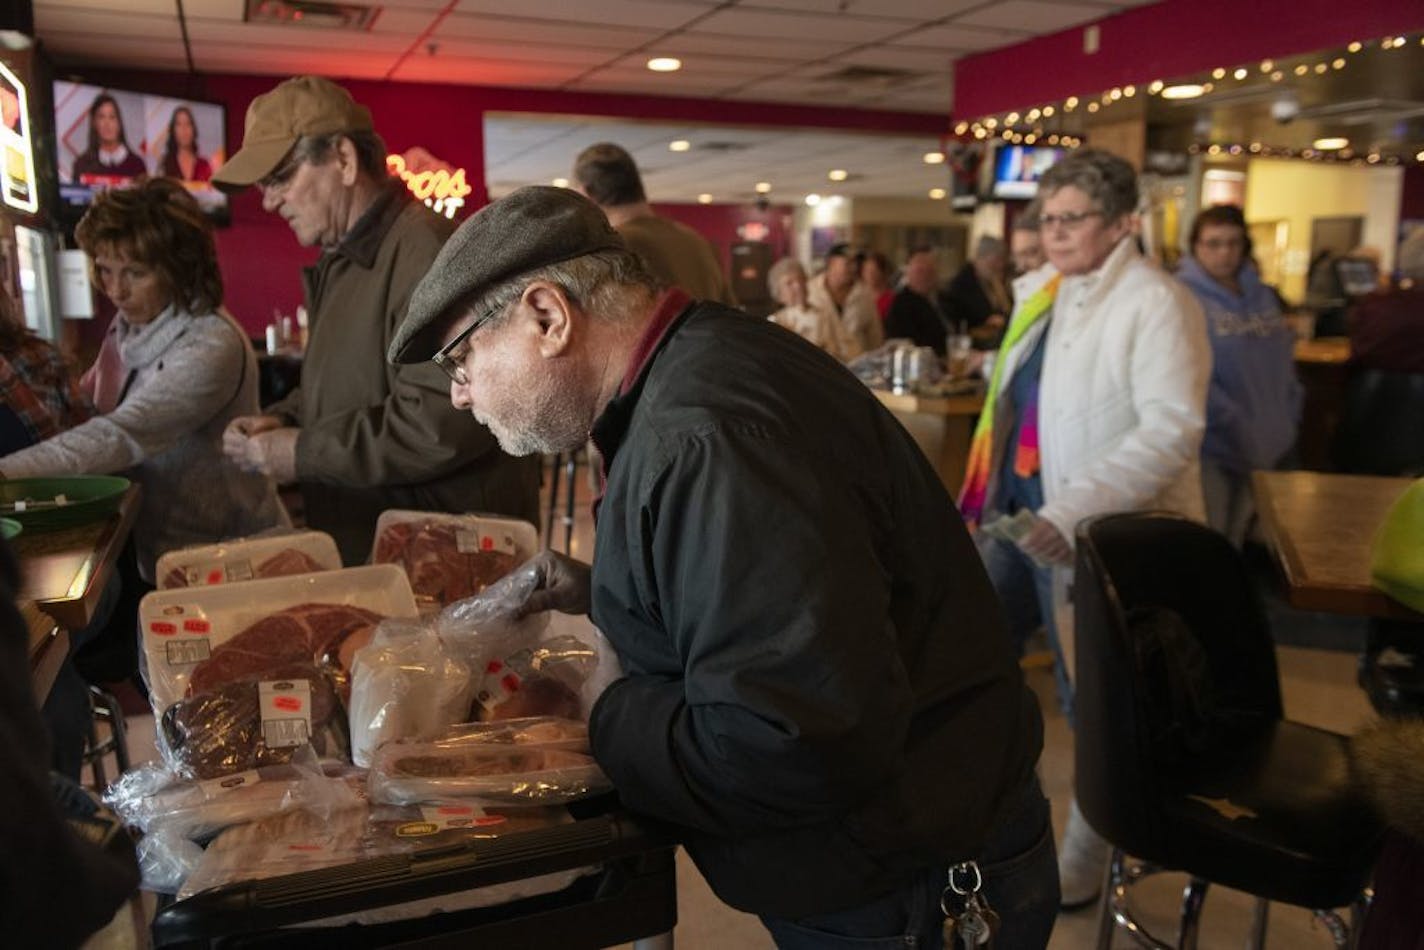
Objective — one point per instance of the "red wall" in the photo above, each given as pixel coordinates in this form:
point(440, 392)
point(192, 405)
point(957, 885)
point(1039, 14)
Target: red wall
point(261, 260)
point(1167, 40)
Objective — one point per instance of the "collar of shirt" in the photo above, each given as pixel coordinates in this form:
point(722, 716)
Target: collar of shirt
point(1080, 289)
point(114, 157)
point(363, 242)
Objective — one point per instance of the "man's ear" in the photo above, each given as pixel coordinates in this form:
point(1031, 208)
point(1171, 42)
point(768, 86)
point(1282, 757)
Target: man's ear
point(348, 161)
point(553, 315)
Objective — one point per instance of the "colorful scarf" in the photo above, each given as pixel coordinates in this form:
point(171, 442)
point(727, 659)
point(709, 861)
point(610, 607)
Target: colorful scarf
point(976, 475)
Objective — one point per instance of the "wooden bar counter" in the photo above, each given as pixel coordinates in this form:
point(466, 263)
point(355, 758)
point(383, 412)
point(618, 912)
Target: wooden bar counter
point(62, 575)
point(941, 426)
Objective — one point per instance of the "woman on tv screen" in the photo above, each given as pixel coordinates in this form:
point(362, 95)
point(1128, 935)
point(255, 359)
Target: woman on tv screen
point(180, 151)
point(108, 155)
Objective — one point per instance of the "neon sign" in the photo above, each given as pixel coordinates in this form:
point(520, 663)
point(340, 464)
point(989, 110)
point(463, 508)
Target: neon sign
point(439, 185)
point(17, 157)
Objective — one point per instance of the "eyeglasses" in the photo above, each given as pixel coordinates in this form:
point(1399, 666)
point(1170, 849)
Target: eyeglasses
point(1070, 220)
point(1222, 244)
point(451, 357)
point(286, 170)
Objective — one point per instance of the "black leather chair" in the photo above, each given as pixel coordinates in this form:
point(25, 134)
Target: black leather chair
point(1183, 759)
point(1381, 428)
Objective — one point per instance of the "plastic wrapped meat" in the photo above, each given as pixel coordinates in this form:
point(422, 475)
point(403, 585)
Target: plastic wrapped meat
point(438, 556)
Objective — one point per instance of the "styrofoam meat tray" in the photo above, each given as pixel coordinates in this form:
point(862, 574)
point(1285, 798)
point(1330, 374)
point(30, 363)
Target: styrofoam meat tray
point(238, 559)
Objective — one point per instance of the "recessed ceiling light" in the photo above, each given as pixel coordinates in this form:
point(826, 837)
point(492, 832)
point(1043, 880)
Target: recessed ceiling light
point(936, 158)
point(837, 174)
point(1419, 156)
point(560, 183)
point(1183, 91)
point(762, 187)
point(1240, 72)
point(664, 64)
point(937, 193)
point(813, 200)
point(1330, 144)
point(704, 199)
point(679, 145)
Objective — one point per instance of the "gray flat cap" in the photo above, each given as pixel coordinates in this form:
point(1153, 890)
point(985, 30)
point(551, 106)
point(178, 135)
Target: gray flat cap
point(521, 232)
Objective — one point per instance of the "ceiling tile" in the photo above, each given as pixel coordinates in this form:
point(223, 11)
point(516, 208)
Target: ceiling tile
point(952, 36)
point(453, 69)
point(718, 44)
point(337, 65)
point(658, 14)
point(909, 58)
point(565, 34)
point(567, 59)
point(1032, 16)
point(917, 10)
point(400, 21)
point(284, 38)
point(53, 21)
point(159, 7)
point(230, 10)
point(739, 20)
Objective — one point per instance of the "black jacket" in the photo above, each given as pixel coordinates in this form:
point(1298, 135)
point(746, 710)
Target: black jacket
point(913, 316)
point(819, 687)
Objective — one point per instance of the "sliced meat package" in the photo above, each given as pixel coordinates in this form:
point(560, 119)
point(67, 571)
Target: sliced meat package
point(450, 557)
point(198, 640)
point(542, 761)
point(280, 554)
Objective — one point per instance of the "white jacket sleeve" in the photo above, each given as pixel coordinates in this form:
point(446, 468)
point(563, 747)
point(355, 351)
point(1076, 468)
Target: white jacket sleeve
point(1169, 370)
point(199, 375)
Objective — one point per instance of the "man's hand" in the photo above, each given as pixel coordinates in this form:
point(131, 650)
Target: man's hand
point(271, 452)
point(563, 584)
point(1045, 543)
point(238, 431)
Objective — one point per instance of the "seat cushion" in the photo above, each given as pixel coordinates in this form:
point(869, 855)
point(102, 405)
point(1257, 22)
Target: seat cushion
point(1275, 815)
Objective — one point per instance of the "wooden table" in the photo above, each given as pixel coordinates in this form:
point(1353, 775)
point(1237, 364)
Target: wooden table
point(62, 575)
point(1322, 527)
point(941, 426)
point(1328, 350)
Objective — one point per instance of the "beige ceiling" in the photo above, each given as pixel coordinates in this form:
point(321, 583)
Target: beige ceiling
point(876, 54)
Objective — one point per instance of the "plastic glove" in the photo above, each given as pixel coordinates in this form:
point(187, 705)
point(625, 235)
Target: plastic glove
point(272, 453)
point(563, 584)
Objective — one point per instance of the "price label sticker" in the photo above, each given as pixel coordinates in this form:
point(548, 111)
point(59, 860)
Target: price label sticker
point(474, 541)
point(286, 712)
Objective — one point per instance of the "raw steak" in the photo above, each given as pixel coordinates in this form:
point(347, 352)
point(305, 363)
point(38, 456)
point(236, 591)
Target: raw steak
point(286, 562)
point(174, 578)
point(220, 732)
point(306, 633)
point(430, 553)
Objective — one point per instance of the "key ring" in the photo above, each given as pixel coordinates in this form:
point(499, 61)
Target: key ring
point(965, 868)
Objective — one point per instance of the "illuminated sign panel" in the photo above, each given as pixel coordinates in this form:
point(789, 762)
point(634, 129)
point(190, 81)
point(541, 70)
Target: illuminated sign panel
point(17, 167)
point(441, 186)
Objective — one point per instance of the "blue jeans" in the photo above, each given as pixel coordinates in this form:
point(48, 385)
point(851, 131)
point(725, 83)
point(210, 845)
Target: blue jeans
point(1026, 592)
point(1020, 873)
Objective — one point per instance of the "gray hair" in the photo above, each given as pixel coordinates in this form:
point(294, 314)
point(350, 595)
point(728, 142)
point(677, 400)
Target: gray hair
point(370, 150)
point(1028, 217)
point(600, 283)
point(779, 270)
point(1104, 177)
point(1411, 256)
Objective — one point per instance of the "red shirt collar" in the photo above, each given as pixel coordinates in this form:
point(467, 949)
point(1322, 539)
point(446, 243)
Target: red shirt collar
point(667, 309)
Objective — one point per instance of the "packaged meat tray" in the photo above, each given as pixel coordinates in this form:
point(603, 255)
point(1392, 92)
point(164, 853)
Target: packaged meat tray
point(543, 761)
point(304, 840)
point(247, 559)
point(451, 557)
point(198, 640)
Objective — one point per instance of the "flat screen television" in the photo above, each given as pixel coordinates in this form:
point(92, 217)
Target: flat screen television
point(1017, 169)
point(106, 137)
point(1358, 275)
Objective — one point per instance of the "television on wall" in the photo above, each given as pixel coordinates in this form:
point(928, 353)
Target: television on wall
point(1017, 169)
point(107, 138)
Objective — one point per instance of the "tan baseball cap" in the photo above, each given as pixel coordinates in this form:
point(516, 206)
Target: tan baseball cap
point(305, 105)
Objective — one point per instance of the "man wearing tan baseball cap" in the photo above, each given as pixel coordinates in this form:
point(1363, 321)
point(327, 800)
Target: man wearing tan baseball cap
point(359, 435)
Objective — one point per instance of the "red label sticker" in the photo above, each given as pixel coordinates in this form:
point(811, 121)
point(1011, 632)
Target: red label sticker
point(196, 626)
point(487, 543)
point(287, 703)
point(162, 628)
point(215, 576)
point(489, 820)
point(494, 667)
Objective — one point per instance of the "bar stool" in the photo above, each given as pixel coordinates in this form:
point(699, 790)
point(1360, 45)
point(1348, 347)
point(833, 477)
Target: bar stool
point(105, 706)
point(568, 462)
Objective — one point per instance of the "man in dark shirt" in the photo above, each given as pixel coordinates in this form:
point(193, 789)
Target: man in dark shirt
point(818, 690)
point(914, 314)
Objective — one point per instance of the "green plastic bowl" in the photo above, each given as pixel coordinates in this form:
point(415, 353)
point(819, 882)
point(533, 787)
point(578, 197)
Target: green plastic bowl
point(9, 527)
point(87, 498)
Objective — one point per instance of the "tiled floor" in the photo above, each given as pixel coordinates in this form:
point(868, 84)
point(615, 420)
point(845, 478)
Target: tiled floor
point(1319, 689)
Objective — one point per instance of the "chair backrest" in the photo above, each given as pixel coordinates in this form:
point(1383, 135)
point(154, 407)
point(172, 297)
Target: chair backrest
point(1381, 429)
point(1128, 566)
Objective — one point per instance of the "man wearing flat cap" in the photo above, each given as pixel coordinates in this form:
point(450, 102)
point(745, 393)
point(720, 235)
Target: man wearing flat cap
point(819, 690)
point(359, 435)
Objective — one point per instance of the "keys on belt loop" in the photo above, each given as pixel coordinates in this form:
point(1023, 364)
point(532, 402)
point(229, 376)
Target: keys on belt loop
point(969, 922)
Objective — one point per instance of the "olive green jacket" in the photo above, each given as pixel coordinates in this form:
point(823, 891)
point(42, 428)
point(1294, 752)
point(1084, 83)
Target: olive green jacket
point(376, 436)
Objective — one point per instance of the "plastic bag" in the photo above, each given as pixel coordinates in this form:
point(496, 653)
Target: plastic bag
point(541, 761)
point(404, 686)
point(166, 859)
point(153, 799)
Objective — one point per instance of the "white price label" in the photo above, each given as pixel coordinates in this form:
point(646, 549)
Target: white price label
point(286, 712)
point(474, 541)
